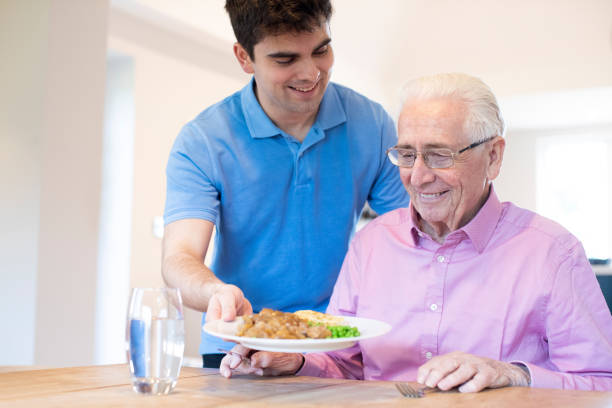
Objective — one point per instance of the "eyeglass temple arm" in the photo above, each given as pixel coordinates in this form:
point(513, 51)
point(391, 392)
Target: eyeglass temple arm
point(473, 145)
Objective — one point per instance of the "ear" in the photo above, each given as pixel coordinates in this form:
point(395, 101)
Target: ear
point(243, 58)
point(495, 158)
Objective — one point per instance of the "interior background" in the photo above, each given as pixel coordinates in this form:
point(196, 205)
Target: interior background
point(94, 93)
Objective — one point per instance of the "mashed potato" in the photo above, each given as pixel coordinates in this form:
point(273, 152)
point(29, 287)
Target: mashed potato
point(318, 317)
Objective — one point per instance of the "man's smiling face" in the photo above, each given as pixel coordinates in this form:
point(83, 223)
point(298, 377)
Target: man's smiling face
point(292, 71)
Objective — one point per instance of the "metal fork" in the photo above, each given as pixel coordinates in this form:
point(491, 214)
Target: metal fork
point(409, 391)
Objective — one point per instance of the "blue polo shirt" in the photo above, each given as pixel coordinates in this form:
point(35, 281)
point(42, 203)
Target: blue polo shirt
point(284, 211)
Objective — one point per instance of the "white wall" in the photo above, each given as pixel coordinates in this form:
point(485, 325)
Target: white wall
point(22, 76)
point(52, 128)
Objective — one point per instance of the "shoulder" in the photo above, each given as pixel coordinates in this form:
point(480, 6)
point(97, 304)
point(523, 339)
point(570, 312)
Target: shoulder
point(546, 231)
point(210, 127)
point(221, 115)
point(392, 222)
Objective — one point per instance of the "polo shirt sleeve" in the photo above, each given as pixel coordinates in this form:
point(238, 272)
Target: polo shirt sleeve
point(578, 328)
point(190, 188)
point(387, 192)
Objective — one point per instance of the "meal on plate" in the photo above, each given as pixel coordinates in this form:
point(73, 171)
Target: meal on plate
point(303, 324)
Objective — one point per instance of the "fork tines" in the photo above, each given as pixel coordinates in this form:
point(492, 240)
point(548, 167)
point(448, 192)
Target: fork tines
point(408, 391)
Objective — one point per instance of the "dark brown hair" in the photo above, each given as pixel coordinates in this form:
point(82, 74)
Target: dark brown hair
point(252, 20)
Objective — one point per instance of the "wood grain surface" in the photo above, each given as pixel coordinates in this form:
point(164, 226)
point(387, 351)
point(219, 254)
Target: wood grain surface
point(107, 386)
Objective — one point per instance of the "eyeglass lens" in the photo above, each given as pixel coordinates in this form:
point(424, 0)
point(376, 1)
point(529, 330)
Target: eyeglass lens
point(435, 159)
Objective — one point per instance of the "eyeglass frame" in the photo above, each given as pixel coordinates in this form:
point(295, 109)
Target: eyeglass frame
point(452, 156)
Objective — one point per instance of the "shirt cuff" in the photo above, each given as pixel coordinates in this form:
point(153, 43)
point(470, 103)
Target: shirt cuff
point(543, 378)
point(309, 368)
point(523, 366)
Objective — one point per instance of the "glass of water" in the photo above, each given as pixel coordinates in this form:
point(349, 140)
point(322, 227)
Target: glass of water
point(155, 339)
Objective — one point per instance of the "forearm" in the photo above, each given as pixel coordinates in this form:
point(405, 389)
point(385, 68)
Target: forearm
point(195, 280)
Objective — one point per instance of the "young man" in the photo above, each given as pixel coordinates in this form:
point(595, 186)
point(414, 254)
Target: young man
point(281, 168)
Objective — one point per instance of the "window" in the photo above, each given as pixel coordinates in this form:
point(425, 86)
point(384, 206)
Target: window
point(574, 186)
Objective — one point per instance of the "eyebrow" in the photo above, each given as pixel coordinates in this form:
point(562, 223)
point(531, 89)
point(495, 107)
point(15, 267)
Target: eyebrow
point(285, 54)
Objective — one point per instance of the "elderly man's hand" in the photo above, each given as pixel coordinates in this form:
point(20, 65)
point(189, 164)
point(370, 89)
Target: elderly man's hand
point(240, 360)
point(471, 373)
point(227, 302)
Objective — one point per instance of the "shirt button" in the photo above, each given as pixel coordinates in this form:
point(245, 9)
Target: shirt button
point(440, 258)
point(428, 355)
point(433, 307)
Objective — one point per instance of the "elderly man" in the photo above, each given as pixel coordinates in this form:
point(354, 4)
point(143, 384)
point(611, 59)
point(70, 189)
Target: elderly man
point(480, 293)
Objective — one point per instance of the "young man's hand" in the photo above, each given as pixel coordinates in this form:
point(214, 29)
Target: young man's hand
point(226, 303)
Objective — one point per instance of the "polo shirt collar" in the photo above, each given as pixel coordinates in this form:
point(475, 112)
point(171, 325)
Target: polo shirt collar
point(479, 230)
point(257, 121)
point(331, 112)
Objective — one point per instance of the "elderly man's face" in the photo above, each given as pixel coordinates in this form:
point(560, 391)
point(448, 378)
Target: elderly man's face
point(446, 199)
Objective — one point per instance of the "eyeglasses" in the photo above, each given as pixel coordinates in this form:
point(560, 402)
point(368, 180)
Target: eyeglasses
point(439, 158)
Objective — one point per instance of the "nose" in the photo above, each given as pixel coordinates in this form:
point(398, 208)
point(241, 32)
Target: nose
point(309, 71)
point(421, 174)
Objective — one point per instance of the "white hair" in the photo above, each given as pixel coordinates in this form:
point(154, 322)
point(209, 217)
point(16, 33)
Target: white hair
point(483, 119)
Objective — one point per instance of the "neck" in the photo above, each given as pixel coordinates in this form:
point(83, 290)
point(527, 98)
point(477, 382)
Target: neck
point(439, 230)
point(296, 127)
point(295, 123)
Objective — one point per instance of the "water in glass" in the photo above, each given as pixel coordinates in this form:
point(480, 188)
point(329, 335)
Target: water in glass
point(155, 339)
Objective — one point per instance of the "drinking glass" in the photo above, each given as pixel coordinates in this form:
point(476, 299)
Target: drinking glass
point(155, 339)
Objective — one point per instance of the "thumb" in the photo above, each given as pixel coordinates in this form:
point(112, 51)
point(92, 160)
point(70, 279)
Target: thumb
point(213, 311)
point(246, 307)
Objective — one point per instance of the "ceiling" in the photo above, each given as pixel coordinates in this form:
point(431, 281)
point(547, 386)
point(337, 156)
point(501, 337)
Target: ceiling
point(518, 47)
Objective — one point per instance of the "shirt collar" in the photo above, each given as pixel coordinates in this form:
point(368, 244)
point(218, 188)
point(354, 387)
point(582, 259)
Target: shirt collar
point(257, 121)
point(331, 112)
point(480, 229)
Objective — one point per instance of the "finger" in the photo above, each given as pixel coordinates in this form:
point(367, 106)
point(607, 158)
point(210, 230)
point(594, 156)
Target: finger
point(227, 302)
point(479, 382)
point(237, 355)
point(440, 368)
point(260, 359)
point(237, 365)
point(462, 374)
point(224, 367)
point(423, 373)
point(242, 350)
point(213, 311)
point(235, 361)
point(246, 307)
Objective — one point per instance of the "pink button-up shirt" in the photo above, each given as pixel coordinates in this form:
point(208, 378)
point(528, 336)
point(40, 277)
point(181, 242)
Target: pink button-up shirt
point(510, 285)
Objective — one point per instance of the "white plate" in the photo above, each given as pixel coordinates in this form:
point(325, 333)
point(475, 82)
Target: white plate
point(367, 327)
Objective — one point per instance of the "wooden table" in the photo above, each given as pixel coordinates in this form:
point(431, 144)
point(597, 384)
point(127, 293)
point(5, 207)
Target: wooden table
point(106, 386)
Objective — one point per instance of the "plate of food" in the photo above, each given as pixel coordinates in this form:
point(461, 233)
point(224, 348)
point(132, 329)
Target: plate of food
point(298, 332)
